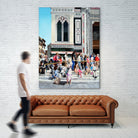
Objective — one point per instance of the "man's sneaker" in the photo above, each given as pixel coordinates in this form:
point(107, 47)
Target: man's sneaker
point(29, 132)
point(12, 127)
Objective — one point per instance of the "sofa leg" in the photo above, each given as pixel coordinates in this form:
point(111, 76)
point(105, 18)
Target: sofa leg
point(68, 126)
point(112, 125)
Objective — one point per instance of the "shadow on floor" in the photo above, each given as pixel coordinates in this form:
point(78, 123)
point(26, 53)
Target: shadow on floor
point(116, 125)
point(61, 83)
point(16, 135)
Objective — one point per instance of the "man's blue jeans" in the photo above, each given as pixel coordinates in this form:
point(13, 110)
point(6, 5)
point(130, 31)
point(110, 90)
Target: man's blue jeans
point(73, 64)
point(79, 63)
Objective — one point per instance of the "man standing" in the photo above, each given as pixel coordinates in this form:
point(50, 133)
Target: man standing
point(24, 94)
point(79, 61)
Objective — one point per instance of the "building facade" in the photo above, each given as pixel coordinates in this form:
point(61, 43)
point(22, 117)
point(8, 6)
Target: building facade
point(42, 46)
point(72, 30)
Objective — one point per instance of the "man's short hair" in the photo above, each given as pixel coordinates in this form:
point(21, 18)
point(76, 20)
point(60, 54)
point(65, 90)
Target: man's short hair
point(25, 55)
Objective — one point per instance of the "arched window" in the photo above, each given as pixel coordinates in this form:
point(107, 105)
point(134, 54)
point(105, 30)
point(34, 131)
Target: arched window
point(59, 31)
point(65, 26)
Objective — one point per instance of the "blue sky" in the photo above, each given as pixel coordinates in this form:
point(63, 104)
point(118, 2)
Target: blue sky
point(45, 24)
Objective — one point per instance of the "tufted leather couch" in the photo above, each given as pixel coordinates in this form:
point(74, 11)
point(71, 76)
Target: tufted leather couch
point(72, 109)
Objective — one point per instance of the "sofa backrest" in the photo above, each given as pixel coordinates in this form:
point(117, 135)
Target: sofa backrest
point(67, 99)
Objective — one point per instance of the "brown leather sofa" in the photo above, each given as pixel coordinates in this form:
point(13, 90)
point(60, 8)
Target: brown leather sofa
point(72, 109)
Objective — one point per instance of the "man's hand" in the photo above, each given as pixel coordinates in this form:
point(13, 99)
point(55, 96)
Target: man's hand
point(28, 97)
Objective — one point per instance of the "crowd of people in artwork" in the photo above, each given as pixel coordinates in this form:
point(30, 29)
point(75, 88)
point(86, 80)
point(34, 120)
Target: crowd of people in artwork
point(64, 66)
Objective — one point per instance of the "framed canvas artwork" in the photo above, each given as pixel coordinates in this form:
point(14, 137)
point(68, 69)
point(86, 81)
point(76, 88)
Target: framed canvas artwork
point(69, 47)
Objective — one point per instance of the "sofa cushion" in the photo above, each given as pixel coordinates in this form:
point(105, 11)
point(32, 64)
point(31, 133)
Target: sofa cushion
point(87, 110)
point(50, 110)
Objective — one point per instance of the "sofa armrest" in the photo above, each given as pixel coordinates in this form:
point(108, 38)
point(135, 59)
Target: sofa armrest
point(33, 104)
point(109, 104)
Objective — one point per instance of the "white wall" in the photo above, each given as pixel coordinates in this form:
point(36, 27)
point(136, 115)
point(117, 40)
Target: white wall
point(119, 47)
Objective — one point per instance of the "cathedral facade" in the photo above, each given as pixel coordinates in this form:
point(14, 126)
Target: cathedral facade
point(74, 29)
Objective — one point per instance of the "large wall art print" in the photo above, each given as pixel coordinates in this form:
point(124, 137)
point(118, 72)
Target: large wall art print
point(69, 47)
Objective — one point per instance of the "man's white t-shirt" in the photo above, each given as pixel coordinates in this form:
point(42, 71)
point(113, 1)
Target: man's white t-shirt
point(79, 58)
point(66, 57)
point(22, 68)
